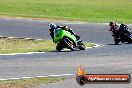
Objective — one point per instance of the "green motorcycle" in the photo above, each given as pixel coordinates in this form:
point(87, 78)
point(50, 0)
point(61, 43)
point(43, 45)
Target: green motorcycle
point(65, 39)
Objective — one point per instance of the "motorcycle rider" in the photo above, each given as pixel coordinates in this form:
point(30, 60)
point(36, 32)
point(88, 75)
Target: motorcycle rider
point(119, 32)
point(54, 27)
point(113, 27)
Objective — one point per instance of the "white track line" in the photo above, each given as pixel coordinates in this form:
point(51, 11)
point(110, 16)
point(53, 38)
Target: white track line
point(96, 46)
point(26, 77)
point(22, 53)
point(41, 76)
point(67, 74)
point(22, 38)
point(3, 79)
point(61, 75)
point(55, 75)
point(11, 37)
point(14, 78)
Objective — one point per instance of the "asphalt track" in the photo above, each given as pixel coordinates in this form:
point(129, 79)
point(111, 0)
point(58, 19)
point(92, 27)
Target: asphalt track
point(107, 59)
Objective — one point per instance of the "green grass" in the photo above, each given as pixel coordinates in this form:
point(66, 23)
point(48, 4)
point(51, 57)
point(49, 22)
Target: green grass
point(89, 44)
point(28, 83)
point(23, 46)
point(81, 10)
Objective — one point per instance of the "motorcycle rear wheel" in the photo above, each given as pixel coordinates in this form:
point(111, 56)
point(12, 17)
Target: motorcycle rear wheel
point(129, 39)
point(116, 41)
point(59, 47)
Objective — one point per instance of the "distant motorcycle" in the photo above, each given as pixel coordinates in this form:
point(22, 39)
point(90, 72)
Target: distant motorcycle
point(65, 39)
point(122, 35)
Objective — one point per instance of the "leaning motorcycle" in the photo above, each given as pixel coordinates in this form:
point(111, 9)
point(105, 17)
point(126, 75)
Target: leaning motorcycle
point(65, 39)
point(122, 35)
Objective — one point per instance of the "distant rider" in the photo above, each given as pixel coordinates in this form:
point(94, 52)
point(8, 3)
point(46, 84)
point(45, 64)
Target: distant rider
point(113, 27)
point(53, 27)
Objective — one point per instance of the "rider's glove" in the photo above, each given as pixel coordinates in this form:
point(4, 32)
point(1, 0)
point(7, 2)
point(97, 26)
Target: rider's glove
point(78, 37)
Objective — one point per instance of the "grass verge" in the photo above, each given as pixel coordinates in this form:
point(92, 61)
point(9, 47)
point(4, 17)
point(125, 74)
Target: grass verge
point(28, 83)
point(82, 10)
point(89, 44)
point(23, 46)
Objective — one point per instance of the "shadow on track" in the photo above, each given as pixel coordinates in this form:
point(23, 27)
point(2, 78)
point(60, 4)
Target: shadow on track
point(121, 44)
point(114, 44)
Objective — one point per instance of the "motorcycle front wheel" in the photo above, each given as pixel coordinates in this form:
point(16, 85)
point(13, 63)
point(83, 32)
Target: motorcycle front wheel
point(82, 47)
point(69, 44)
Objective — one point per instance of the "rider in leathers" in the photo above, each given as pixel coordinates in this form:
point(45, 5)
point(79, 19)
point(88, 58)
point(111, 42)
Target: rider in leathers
point(54, 27)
